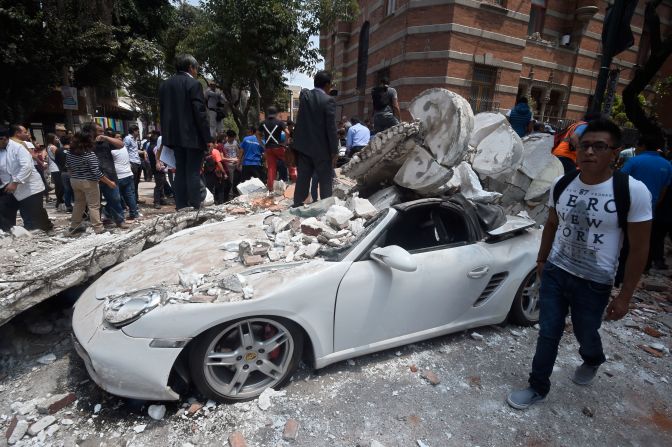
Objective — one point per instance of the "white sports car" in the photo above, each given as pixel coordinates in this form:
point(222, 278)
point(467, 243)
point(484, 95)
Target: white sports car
point(419, 270)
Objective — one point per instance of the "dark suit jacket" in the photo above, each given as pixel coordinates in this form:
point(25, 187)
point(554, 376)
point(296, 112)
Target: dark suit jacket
point(184, 118)
point(315, 132)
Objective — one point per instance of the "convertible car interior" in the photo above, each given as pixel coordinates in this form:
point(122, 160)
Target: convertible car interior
point(426, 227)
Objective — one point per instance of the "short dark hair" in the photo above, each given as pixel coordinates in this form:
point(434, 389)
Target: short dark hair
point(65, 140)
point(385, 80)
point(522, 99)
point(230, 133)
point(252, 129)
point(14, 129)
point(90, 127)
point(184, 61)
point(4, 132)
point(592, 116)
point(650, 142)
point(354, 120)
point(133, 128)
point(290, 122)
point(605, 125)
point(322, 78)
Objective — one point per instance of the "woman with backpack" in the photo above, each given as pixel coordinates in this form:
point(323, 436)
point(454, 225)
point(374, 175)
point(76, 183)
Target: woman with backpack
point(386, 112)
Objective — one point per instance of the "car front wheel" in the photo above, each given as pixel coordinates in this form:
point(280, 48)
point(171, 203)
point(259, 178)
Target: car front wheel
point(525, 307)
point(237, 361)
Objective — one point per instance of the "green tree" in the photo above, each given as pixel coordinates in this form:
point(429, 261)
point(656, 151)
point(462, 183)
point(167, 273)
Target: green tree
point(43, 41)
point(246, 46)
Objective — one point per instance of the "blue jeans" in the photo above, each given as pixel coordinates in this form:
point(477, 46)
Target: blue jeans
point(559, 292)
point(127, 191)
point(68, 196)
point(113, 208)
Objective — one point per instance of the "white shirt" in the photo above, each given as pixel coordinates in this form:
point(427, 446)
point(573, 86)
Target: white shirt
point(588, 240)
point(16, 166)
point(132, 145)
point(122, 163)
point(51, 158)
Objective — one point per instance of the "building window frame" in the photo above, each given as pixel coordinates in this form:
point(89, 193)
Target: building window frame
point(537, 17)
point(391, 7)
point(363, 57)
point(483, 85)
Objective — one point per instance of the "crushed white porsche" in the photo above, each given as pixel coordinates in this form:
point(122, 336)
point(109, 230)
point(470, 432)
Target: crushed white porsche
point(189, 312)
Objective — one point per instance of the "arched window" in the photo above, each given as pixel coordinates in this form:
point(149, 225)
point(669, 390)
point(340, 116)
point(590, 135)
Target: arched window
point(363, 57)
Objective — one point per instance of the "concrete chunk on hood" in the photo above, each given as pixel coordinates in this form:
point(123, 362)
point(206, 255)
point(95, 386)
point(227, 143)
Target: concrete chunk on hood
point(447, 122)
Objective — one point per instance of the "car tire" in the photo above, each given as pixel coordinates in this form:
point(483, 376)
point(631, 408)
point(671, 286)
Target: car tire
point(238, 360)
point(525, 307)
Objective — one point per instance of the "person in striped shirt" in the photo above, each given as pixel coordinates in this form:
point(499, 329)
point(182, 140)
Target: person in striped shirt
point(85, 174)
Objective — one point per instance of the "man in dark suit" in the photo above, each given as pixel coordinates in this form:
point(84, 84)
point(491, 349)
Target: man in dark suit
point(185, 128)
point(315, 139)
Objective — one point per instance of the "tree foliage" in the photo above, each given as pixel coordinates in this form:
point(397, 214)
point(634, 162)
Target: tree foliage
point(246, 46)
point(42, 40)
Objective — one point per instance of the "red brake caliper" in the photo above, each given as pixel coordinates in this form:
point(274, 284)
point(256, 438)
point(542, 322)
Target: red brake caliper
point(270, 331)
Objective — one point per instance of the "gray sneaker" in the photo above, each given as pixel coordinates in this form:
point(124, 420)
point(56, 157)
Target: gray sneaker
point(523, 399)
point(584, 374)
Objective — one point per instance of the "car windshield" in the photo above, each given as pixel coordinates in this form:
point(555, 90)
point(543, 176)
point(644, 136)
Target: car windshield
point(338, 253)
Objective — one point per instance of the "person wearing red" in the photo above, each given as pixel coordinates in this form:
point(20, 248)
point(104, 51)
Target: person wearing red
point(216, 177)
point(274, 148)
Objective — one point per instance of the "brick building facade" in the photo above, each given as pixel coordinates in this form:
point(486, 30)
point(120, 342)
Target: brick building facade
point(489, 51)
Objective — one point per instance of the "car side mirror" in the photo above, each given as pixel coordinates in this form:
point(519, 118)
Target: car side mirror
point(394, 257)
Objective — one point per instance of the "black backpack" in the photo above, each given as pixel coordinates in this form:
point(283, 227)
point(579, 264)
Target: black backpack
point(380, 97)
point(621, 183)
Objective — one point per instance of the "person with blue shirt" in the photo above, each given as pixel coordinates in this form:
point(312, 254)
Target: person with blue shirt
point(651, 168)
point(252, 156)
point(357, 138)
point(520, 117)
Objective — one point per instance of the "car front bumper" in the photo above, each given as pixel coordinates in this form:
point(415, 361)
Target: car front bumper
point(122, 365)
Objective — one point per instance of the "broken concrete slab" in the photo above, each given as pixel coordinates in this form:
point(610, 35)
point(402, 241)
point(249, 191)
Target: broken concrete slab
point(536, 154)
point(541, 184)
point(499, 153)
point(447, 123)
point(484, 124)
point(379, 161)
point(466, 182)
point(361, 207)
point(338, 216)
point(252, 186)
point(423, 174)
point(385, 197)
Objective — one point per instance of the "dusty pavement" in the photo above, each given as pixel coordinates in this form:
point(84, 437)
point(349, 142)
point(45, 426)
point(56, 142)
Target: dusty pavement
point(381, 397)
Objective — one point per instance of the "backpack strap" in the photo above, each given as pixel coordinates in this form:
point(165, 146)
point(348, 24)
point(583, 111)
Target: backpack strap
point(562, 184)
point(621, 183)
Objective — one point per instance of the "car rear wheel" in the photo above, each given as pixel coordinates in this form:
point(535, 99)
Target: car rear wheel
point(237, 361)
point(525, 307)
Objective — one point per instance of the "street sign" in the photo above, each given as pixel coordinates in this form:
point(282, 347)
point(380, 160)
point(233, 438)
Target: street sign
point(70, 101)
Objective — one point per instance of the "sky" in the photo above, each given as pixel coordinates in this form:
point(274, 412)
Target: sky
point(294, 78)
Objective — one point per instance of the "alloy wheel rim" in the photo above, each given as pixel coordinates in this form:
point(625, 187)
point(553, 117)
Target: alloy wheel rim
point(247, 357)
point(530, 301)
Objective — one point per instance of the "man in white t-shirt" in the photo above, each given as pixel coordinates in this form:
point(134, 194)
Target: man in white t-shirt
point(125, 182)
point(578, 259)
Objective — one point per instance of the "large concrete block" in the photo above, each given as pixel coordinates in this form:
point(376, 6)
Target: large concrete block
point(542, 183)
point(536, 154)
point(484, 124)
point(447, 122)
point(423, 174)
point(499, 153)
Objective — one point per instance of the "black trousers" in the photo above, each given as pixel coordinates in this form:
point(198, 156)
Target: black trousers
point(218, 186)
point(58, 187)
point(253, 171)
point(306, 167)
point(159, 185)
point(188, 177)
point(31, 208)
point(136, 169)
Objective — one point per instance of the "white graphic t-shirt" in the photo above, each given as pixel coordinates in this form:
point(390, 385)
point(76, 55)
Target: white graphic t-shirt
point(588, 240)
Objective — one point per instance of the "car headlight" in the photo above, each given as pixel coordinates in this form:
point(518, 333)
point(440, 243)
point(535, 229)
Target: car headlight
point(122, 310)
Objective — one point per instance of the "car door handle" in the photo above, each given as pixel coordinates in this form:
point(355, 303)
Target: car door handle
point(479, 272)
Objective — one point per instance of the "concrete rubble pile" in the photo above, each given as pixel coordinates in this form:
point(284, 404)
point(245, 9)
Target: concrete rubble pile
point(447, 150)
point(292, 237)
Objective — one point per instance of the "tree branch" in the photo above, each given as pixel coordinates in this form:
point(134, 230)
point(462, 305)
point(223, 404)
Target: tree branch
point(652, 23)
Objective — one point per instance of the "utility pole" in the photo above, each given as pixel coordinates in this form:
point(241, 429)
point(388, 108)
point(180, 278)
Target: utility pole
point(608, 49)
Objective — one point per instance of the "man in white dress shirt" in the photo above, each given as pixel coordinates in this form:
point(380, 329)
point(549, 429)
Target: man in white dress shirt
point(21, 186)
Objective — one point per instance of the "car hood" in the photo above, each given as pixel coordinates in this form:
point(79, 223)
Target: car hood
point(197, 250)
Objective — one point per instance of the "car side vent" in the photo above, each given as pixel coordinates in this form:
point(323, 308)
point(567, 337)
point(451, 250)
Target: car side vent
point(494, 283)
